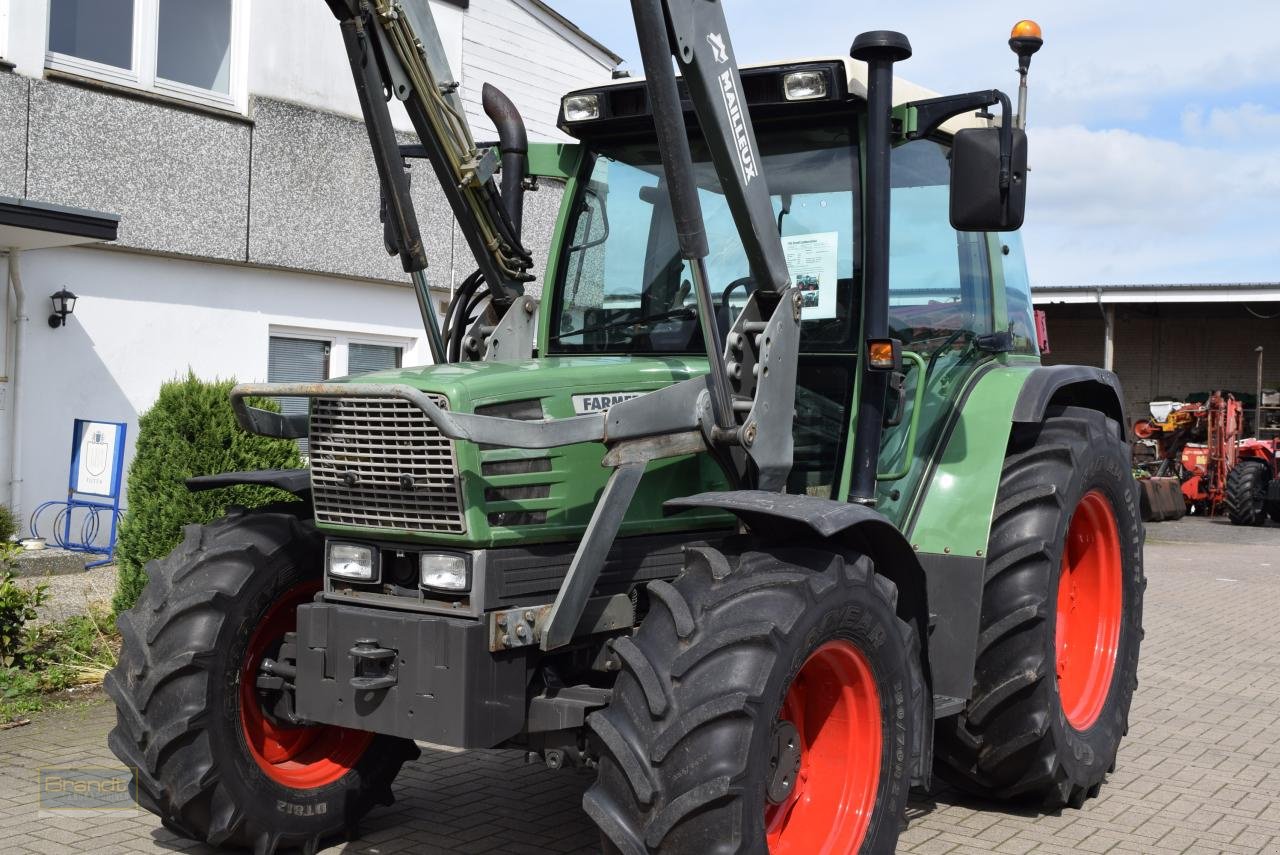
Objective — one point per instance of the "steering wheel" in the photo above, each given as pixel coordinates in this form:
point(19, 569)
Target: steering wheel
point(741, 282)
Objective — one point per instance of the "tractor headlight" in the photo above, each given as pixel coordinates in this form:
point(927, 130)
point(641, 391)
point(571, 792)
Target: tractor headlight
point(580, 108)
point(804, 85)
point(439, 572)
point(352, 561)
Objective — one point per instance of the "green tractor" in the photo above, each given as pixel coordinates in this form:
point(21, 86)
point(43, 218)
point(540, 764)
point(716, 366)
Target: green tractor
point(765, 509)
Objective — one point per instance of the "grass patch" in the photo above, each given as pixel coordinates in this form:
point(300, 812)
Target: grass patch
point(45, 663)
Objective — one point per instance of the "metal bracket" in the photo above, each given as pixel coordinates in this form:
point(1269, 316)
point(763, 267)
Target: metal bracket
point(515, 334)
point(760, 354)
point(574, 592)
point(511, 629)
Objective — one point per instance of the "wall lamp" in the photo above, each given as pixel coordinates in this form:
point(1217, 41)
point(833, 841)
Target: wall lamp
point(64, 303)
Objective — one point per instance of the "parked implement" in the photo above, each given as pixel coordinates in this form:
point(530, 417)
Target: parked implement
point(755, 511)
point(1200, 444)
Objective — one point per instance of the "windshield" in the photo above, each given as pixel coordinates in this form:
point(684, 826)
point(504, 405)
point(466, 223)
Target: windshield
point(623, 287)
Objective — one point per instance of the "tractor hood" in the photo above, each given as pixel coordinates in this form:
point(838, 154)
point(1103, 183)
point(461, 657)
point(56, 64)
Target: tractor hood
point(514, 496)
point(566, 385)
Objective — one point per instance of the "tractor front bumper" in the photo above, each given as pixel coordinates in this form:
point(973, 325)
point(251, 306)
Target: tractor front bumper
point(419, 676)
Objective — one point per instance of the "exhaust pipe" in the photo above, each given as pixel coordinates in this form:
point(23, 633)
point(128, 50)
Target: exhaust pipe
point(513, 145)
point(879, 50)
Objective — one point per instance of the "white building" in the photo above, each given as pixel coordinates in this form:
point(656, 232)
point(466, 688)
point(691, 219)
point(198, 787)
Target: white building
point(224, 135)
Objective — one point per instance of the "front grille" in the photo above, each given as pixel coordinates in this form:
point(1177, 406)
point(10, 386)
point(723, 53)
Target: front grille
point(381, 463)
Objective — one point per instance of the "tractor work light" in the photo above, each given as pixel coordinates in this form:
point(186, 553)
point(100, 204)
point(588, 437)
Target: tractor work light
point(353, 562)
point(804, 85)
point(581, 108)
point(884, 354)
point(440, 572)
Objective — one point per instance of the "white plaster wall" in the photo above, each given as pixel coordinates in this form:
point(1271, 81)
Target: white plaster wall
point(531, 57)
point(141, 320)
point(296, 54)
point(28, 34)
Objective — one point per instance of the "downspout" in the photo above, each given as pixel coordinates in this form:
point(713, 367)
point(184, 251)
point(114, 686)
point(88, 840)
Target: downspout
point(15, 383)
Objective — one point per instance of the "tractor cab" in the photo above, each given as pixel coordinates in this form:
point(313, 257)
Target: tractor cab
point(618, 285)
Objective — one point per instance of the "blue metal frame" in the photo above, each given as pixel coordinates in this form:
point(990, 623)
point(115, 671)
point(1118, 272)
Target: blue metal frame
point(92, 507)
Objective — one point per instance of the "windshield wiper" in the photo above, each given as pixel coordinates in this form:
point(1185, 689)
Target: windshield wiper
point(686, 311)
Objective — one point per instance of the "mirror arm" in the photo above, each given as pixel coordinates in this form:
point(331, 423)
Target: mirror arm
point(932, 112)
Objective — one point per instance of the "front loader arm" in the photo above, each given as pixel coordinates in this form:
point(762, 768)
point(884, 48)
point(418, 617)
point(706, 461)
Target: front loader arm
point(394, 49)
point(751, 400)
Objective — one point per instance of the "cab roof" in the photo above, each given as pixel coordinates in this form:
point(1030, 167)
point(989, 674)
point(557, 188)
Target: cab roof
point(629, 96)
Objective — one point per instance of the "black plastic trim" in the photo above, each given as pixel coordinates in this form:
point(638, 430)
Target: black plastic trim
point(296, 481)
point(1076, 385)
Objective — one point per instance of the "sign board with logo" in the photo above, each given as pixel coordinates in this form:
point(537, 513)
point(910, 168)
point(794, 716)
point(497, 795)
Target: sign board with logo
point(97, 458)
point(93, 492)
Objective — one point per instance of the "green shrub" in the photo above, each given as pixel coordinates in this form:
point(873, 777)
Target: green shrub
point(18, 606)
point(190, 430)
point(8, 524)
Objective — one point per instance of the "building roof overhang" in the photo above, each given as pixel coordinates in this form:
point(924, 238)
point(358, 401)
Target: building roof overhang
point(1238, 292)
point(25, 224)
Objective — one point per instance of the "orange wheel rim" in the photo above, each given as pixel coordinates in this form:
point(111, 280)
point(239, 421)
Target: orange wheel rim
point(834, 706)
point(297, 757)
point(1090, 608)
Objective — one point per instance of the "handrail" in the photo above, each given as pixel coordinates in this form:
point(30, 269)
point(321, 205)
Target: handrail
point(914, 426)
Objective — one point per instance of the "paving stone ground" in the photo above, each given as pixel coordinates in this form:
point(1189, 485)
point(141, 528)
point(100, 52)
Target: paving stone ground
point(1198, 773)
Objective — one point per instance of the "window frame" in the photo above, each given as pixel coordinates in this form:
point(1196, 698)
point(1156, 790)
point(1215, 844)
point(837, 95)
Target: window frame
point(339, 345)
point(145, 56)
point(581, 189)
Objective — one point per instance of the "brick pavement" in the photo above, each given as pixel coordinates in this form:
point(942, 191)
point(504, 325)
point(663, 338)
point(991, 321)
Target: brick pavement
point(1199, 772)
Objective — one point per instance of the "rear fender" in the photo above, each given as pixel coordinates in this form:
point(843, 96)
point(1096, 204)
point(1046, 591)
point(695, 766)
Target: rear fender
point(811, 520)
point(1070, 386)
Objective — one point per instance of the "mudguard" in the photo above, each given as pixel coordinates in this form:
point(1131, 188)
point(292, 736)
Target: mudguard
point(296, 481)
point(1070, 385)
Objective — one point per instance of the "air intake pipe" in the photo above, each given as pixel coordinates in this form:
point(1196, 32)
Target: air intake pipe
point(513, 145)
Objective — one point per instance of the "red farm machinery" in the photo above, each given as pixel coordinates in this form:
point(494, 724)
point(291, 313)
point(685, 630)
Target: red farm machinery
point(1199, 447)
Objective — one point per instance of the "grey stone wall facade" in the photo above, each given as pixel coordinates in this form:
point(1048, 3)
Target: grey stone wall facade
point(290, 187)
point(179, 180)
point(13, 135)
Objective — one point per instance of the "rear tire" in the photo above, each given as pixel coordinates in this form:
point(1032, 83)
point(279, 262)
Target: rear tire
point(181, 696)
point(1061, 619)
point(1246, 494)
point(696, 755)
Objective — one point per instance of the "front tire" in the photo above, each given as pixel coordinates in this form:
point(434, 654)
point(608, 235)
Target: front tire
point(209, 761)
point(769, 700)
point(1246, 494)
point(1061, 619)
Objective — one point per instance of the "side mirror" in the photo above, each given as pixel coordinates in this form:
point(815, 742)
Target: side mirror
point(978, 202)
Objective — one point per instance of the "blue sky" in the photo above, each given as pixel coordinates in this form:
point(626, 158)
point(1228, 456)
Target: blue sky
point(1154, 129)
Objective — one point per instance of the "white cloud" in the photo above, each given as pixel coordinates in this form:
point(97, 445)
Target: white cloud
point(1249, 123)
point(1118, 206)
point(1113, 196)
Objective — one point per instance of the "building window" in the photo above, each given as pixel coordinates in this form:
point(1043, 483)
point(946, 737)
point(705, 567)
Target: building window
point(189, 49)
point(367, 358)
point(298, 355)
point(297, 360)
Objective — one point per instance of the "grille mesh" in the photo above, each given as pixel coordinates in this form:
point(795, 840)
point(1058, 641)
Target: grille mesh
point(363, 453)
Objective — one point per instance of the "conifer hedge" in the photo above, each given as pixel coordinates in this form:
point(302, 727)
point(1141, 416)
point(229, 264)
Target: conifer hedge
point(190, 430)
